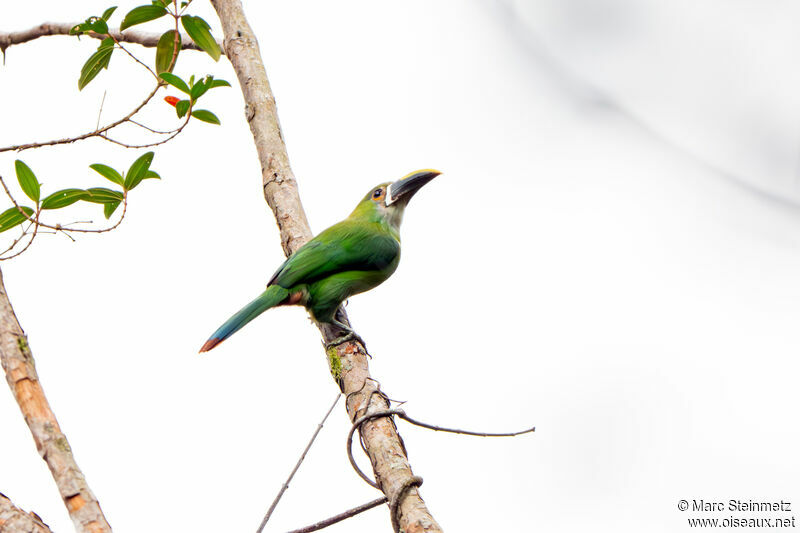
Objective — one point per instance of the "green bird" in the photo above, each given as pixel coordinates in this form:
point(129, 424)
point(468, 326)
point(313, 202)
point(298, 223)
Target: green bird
point(353, 256)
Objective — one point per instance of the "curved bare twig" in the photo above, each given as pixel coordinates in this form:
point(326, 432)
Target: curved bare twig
point(171, 134)
point(382, 413)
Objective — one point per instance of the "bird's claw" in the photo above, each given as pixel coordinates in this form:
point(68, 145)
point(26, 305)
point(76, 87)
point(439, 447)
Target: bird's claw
point(347, 337)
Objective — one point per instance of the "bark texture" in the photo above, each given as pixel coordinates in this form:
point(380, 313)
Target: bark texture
point(17, 361)
point(280, 187)
point(381, 440)
point(15, 520)
point(62, 28)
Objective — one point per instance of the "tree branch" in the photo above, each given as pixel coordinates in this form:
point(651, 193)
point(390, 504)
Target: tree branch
point(45, 29)
point(12, 518)
point(17, 361)
point(381, 440)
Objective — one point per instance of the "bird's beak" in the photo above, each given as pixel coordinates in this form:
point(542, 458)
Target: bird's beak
point(406, 187)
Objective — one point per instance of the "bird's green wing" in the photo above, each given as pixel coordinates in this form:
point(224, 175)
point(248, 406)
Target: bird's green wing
point(346, 246)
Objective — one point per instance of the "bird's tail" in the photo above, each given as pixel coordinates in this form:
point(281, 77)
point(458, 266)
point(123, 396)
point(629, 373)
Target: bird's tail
point(273, 296)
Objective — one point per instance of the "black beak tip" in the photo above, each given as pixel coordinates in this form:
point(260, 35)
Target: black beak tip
point(410, 184)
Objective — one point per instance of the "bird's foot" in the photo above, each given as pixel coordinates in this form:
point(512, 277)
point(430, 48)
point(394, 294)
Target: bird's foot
point(347, 337)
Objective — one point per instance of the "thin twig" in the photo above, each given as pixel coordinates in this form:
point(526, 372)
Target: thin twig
point(176, 39)
point(65, 234)
point(100, 111)
point(410, 420)
point(402, 414)
point(20, 147)
point(172, 135)
point(134, 57)
point(341, 516)
point(148, 128)
point(296, 467)
point(148, 145)
point(33, 236)
point(16, 241)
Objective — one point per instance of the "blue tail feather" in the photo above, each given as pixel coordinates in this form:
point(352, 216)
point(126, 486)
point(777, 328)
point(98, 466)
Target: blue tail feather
point(273, 296)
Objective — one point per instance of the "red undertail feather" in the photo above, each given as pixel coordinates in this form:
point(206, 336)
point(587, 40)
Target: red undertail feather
point(210, 343)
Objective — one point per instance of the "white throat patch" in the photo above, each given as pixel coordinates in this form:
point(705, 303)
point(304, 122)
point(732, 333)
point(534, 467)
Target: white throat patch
point(389, 198)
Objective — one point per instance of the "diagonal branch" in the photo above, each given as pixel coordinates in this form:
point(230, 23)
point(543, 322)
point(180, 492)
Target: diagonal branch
point(12, 518)
point(17, 361)
point(45, 29)
point(350, 513)
point(381, 440)
point(285, 485)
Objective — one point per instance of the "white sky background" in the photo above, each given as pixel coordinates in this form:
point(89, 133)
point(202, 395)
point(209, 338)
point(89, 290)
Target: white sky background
point(626, 281)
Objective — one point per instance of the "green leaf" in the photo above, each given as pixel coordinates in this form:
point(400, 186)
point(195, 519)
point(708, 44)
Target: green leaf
point(165, 49)
point(198, 30)
point(141, 14)
point(205, 115)
point(175, 81)
point(12, 217)
point(137, 171)
point(100, 26)
point(108, 173)
point(182, 107)
point(109, 209)
point(198, 89)
point(79, 28)
point(218, 83)
point(27, 180)
point(101, 195)
point(63, 198)
point(201, 87)
point(108, 12)
point(152, 174)
point(98, 61)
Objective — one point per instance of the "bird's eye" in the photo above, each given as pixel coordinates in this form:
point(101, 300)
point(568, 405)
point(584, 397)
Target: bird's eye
point(377, 193)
